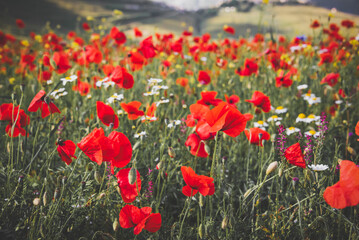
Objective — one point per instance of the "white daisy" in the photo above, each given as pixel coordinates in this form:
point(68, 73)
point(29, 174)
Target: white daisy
point(154, 80)
point(291, 130)
point(68, 79)
point(158, 87)
point(280, 110)
point(318, 167)
point(303, 86)
point(324, 50)
point(162, 101)
point(57, 91)
point(105, 82)
point(301, 118)
point(338, 102)
point(187, 57)
point(308, 96)
point(61, 94)
point(275, 119)
point(312, 133)
point(203, 59)
point(115, 96)
point(261, 124)
point(314, 100)
point(311, 118)
point(49, 82)
point(141, 134)
point(151, 93)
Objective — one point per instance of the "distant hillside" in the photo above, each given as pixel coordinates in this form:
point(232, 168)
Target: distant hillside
point(348, 6)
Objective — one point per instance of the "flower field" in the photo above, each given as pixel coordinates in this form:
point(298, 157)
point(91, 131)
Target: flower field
point(114, 135)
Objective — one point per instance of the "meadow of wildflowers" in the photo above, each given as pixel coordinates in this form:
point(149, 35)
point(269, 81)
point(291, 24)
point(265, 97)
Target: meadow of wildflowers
point(126, 136)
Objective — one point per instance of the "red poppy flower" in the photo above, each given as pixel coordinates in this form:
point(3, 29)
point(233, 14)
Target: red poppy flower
point(121, 77)
point(256, 136)
point(62, 62)
point(3, 38)
point(86, 26)
point(208, 98)
point(128, 191)
point(119, 37)
point(345, 193)
point(93, 54)
point(283, 80)
point(229, 29)
point(347, 23)
point(82, 87)
point(16, 117)
point(147, 48)
point(40, 101)
point(315, 24)
point(196, 183)
point(137, 32)
point(250, 67)
point(227, 119)
point(198, 112)
point(203, 78)
point(150, 114)
point(182, 81)
point(326, 57)
point(66, 150)
point(357, 130)
point(132, 216)
point(261, 101)
point(20, 23)
point(132, 109)
point(232, 100)
point(331, 79)
point(294, 156)
point(137, 61)
point(196, 146)
point(106, 114)
point(116, 148)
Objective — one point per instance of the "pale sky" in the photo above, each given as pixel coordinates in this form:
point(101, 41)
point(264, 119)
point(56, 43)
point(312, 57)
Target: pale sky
point(191, 4)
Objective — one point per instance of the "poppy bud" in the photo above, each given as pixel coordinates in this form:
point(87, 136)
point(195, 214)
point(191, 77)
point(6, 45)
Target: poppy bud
point(98, 177)
point(101, 195)
point(200, 231)
point(246, 194)
point(44, 198)
point(36, 201)
point(225, 222)
point(115, 225)
point(64, 180)
point(294, 181)
point(132, 175)
point(351, 151)
point(258, 111)
point(56, 194)
point(136, 146)
point(280, 172)
point(272, 167)
point(159, 165)
point(171, 152)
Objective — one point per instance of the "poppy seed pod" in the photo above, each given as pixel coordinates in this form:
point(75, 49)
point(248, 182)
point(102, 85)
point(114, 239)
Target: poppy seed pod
point(56, 194)
point(132, 175)
point(351, 151)
point(272, 167)
point(207, 149)
point(201, 199)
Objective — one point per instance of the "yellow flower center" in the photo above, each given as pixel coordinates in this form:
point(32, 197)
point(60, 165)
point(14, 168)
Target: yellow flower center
point(302, 116)
point(311, 116)
point(312, 132)
point(291, 128)
point(280, 108)
point(260, 122)
point(274, 117)
point(67, 78)
point(314, 98)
